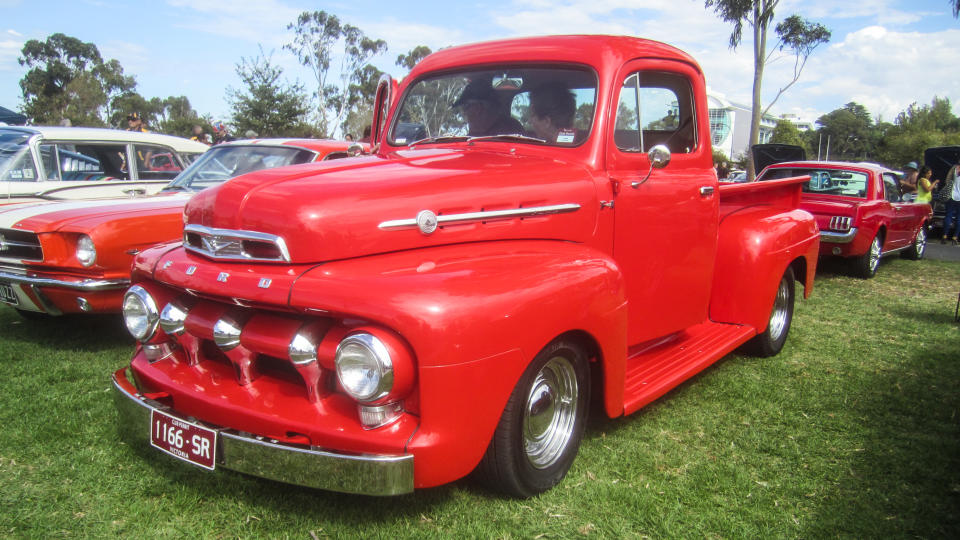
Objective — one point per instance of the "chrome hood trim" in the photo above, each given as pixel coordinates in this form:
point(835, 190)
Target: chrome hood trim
point(485, 216)
point(228, 244)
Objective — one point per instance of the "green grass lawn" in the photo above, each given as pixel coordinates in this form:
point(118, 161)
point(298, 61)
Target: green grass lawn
point(851, 432)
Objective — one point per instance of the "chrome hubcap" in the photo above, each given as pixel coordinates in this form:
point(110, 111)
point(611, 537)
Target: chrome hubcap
point(781, 308)
point(874, 254)
point(921, 243)
point(550, 412)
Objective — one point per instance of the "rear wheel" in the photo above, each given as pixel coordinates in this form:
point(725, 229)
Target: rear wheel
point(919, 246)
point(866, 265)
point(541, 427)
point(771, 341)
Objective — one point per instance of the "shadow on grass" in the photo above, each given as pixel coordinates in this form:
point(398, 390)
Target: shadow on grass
point(92, 333)
point(904, 480)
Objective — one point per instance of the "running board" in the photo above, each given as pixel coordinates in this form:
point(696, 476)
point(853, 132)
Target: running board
point(652, 372)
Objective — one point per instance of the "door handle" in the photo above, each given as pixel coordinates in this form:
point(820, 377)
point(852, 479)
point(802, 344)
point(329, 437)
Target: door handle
point(706, 191)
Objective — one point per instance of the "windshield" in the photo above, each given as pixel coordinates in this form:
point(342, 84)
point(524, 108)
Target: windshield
point(222, 163)
point(16, 164)
point(823, 181)
point(543, 105)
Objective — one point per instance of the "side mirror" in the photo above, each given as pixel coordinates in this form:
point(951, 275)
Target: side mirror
point(659, 156)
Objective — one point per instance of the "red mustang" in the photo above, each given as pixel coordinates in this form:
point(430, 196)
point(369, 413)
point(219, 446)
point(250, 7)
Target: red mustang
point(74, 257)
point(859, 211)
point(540, 225)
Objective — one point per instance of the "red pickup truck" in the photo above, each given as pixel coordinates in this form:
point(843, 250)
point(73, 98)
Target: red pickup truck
point(538, 227)
point(859, 209)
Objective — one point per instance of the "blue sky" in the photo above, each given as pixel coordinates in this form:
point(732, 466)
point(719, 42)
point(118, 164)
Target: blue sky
point(884, 54)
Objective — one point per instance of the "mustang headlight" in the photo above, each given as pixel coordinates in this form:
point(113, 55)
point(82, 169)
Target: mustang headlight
point(140, 313)
point(364, 367)
point(86, 251)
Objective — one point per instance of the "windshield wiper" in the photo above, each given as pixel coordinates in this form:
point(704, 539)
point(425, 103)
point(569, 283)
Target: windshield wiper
point(437, 139)
point(511, 136)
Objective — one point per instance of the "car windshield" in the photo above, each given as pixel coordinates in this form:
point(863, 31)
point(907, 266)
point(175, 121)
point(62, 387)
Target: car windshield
point(535, 105)
point(222, 163)
point(16, 165)
point(823, 181)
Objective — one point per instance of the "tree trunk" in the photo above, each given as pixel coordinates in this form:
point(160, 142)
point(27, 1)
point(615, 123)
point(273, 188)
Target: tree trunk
point(759, 58)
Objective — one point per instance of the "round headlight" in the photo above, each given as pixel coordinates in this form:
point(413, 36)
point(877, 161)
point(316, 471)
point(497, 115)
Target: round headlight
point(86, 252)
point(140, 313)
point(364, 367)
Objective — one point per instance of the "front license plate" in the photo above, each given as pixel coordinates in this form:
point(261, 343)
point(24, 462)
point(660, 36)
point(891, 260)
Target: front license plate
point(183, 440)
point(8, 295)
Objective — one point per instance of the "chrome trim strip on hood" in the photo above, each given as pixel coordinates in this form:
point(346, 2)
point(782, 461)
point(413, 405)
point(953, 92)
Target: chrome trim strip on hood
point(470, 217)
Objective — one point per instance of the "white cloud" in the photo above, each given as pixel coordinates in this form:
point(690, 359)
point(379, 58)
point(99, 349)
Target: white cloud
point(14, 33)
point(9, 52)
point(133, 57)
point(258, 21)
point(886, 70)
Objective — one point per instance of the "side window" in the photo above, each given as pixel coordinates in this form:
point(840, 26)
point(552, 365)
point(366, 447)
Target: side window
point(92, 161)
point(156, 162)
point(890, 189)
point(655, 108)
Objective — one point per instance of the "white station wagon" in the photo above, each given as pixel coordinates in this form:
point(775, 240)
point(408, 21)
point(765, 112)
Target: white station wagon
point(65, 163)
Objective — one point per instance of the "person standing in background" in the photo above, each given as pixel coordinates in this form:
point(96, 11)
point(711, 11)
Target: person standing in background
point(950, 195)
point(925, 186)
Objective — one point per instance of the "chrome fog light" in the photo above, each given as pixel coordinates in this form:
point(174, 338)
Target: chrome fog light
point(172, 318)
point(140, 313)
point(302, 350)
point(374, 416)
point(226, 334)
point(86, 252)
point(364, 367)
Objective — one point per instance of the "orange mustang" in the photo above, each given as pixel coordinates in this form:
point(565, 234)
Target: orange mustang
point(74, 256)
point(539, 226)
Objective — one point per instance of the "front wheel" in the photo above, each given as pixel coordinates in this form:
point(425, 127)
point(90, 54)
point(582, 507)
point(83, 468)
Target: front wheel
point(771, 341)
point(866, 265)
point(915, 253)
point(541, 427)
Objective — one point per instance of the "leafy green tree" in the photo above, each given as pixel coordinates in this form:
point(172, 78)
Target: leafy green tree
point(68, 78)
point(413, 57)
point(318, 36)
point(794, 34)
point(785, 132)
point(850, 132)
point(917, 128)
point(266, 105)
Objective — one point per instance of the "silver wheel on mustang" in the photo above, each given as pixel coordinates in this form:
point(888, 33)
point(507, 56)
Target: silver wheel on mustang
point(866, 265)
point(919, 245)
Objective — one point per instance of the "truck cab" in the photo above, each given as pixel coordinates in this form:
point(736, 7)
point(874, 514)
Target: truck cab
point(537, 227)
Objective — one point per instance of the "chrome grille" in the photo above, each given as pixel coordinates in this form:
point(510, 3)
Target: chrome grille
point(840, 223)
point(235, 245)
point(23, 245)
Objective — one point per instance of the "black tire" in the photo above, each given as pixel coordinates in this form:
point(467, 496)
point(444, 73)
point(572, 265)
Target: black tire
point(866, 265)
point(771, 341)
point(919, 247)
point(538, 435)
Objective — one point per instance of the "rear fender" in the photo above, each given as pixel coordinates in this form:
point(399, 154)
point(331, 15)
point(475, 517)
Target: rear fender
point(755, 247)
point(476, 315)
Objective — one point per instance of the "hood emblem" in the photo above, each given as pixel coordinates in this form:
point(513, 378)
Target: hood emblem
point(222, 277)
point(426, 221)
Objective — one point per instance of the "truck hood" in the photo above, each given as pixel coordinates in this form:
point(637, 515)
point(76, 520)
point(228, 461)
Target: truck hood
point(48, 217)
point(343, 209)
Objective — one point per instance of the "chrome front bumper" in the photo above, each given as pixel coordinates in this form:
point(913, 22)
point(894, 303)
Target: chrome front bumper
point(361, 474)
point(831, 237)
point(85, 285)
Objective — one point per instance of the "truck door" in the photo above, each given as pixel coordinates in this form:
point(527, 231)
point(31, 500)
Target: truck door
point(666, 224)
